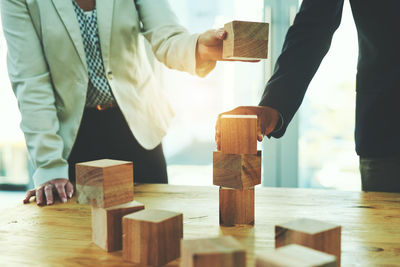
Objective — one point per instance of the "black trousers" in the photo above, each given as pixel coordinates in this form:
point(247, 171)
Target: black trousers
point(105, 135)
point(380, 174)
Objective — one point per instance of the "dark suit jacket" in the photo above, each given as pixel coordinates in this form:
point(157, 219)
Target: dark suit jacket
point(377, 131)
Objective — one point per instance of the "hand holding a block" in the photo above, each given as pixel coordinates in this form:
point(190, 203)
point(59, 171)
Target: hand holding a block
point(267, 119)
point(210, 46)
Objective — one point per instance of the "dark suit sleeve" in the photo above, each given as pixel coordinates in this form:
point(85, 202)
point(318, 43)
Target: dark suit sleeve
point(307, 42)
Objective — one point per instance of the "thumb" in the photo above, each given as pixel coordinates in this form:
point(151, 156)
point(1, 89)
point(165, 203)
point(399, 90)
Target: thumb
point(212, 37)
point(220, 34)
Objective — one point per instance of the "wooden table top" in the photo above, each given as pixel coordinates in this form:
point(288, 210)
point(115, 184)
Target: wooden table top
point(60, 235)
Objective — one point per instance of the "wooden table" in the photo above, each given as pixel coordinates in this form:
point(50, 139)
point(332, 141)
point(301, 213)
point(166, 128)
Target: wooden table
point(60, 235)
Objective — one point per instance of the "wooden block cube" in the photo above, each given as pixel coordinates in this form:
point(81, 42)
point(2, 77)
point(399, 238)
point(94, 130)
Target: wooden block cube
point(310, 233)
point(245, 40)
point(236, 206)
point(107, 224)
point(238, 134)
point(104, 183)
point(223, 251)
point(295, 256)
point(152, 237)
point(237, 171)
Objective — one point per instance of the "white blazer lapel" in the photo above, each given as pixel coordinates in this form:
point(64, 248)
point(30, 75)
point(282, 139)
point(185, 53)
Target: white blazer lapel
point(105, 10)
point(66, 12)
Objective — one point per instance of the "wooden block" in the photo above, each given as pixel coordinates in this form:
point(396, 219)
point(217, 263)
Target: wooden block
point(236, 206)
point(104, 183)
point(223, 251)
point(237, 171)
point(314, 234)
point(295, 256)
point(239, 134)
point(152, 237)
point(107, 224)
point(245, 40)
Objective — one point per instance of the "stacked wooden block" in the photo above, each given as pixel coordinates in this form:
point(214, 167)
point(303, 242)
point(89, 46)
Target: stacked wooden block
point(237, 169)
point(107, 185)
point(304, 242)
point(149, 237)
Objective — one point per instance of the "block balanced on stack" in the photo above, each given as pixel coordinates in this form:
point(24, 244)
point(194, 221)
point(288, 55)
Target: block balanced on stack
point(107, 185)
point(237, 169)
point(104, 183)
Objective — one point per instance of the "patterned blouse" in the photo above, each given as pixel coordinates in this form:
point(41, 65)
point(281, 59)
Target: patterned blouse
point(99, 91)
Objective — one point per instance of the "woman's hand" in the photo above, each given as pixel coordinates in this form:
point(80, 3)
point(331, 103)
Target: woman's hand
point(267, 118)
point(209, 46)
point(46, 193)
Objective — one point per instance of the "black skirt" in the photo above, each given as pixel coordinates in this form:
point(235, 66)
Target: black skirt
point(105, 134)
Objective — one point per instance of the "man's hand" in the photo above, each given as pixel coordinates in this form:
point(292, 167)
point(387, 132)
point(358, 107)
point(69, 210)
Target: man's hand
point(209, 46)
point(45, 194)
point(267, 118)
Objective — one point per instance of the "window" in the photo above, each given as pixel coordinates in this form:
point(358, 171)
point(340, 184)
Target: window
point(13, 153)
point(318, 147)
point(197, 102)
point(327, 155)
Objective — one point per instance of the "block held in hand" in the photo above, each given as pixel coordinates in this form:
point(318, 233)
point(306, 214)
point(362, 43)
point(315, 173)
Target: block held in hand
point(238, 134)
point(246, 40)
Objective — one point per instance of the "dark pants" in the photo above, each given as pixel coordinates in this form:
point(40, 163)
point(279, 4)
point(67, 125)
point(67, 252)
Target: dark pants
point(380, 174)
point(106, 135)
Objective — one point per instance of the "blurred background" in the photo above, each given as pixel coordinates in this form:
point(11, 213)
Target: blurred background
point(317, 150)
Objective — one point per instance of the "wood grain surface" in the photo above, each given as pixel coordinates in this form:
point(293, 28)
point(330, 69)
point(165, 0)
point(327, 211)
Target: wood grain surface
point(60, 235)
point(239, 134)
point(107, 224)
point(104, 183)
point(236, 206)
point(152, 237)
point(223, 251)
point(236, 170)
point(315, 234)
point(295, 256)
point(245, 40)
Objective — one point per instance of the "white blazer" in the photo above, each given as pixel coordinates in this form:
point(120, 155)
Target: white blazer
point(48, 72)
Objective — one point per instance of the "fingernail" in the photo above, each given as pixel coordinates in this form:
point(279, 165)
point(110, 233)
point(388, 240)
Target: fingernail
point(70, 194)
point(49, 203)
point(64, 200)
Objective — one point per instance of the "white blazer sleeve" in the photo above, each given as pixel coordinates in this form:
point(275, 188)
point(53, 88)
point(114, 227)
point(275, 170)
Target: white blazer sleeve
point(31, 83)
point(171, 43)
